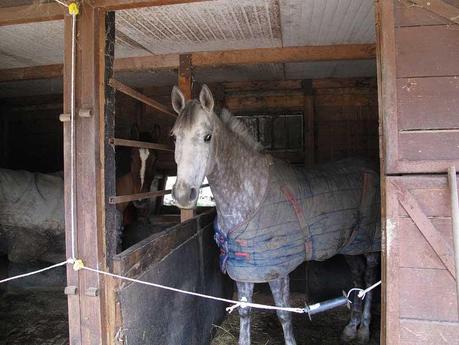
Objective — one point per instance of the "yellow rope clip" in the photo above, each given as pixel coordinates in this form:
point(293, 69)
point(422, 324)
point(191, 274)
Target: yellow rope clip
point(74, 9)
point(78, 265)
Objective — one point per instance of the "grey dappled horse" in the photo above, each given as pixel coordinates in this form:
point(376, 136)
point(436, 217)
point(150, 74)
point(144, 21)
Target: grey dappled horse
point(271, 216)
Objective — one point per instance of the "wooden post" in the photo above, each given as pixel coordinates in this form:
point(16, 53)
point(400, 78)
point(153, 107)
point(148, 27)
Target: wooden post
point(308, 123)
point(86, 300)
point(455, 220)
point(185, 84)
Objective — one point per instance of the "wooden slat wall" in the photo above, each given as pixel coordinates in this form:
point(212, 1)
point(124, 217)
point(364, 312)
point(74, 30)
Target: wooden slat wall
point(345, 113)
point(424, 133)
point(419, 113)
point(421, 293)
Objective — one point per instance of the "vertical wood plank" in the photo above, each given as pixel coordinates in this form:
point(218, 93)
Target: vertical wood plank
point(72, 276)
point(391, 261)
point(107, 124)
point(185, 82)
point(90, 326)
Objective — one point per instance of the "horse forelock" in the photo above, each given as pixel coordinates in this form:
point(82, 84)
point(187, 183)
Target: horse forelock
point(188, 116)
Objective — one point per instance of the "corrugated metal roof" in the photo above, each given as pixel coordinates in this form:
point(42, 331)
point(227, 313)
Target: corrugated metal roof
point(216, 25)
point(32, 44)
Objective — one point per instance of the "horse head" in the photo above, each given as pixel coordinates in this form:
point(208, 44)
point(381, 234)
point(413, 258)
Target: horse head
point(135, 166)
point(193, 132)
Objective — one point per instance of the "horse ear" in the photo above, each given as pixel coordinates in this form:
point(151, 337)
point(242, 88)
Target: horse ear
point(178, 100)
point(206, 99)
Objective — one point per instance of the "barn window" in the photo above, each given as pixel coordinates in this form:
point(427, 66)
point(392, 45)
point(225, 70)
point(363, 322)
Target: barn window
point(276, 132)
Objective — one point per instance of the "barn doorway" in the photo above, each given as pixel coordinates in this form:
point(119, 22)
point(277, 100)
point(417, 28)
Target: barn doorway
point(304, 110)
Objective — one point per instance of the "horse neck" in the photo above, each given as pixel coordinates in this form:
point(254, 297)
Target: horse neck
point(238, 179)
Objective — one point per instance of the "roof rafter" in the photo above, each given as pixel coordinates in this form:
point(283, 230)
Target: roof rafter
point(126, 4)
point(31, 13)
point(211, 59)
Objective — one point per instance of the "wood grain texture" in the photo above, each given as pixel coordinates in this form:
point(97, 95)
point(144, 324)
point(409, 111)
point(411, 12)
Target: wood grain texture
point(429, 145)
point(141, 97)
point(412, 241)
point(427, 51)
point(408, 14)
point(441, 247)
point(110, 5)
point(419, 332)
point(37, 12)
point(428, 294)
point(428, 103)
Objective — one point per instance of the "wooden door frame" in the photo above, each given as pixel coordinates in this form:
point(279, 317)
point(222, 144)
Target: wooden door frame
point(87, 292)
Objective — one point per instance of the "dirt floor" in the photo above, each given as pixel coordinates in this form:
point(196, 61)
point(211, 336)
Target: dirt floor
point(33, 318)
point(324, 329)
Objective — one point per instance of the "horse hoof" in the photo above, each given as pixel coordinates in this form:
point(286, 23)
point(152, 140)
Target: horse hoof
point(349, 334)
point(363, 335)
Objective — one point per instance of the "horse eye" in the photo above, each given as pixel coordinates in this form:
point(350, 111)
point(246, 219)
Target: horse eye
point(207, 138)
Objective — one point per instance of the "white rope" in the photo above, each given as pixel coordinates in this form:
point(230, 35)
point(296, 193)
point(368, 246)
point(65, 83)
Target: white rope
point(72, 142)
point(34, 272)
point(62, 3)
point(78, 264)
point(236, 304)
point(362, 292)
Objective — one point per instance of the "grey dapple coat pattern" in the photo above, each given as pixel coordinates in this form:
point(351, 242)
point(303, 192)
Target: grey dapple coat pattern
point(240, 177)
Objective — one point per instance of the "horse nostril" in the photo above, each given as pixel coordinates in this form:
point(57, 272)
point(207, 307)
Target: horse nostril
point(193, 194)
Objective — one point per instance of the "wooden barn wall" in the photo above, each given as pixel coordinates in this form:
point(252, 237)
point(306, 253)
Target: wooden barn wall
point(184, 257)
point(419, 110)
point(344, 111)
point(422, 305)
point(31, 133)
point(423, 123)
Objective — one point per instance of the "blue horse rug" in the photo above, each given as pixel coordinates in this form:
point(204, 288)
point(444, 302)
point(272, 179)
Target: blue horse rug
point(306, 214)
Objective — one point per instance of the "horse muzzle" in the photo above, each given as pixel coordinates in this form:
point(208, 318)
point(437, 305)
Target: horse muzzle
point(184, 195)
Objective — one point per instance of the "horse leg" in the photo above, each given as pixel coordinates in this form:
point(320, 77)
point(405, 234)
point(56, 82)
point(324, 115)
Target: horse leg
point(357, 267)
point(372, 260)
point(245, 292)
point(280, 289)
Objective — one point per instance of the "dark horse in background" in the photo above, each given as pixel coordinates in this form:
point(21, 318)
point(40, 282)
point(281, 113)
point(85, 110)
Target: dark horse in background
point(271, 216)
point(32, 225)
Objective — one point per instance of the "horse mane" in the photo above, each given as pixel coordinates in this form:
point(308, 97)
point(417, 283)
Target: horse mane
point(239, 129)
point(187, 116)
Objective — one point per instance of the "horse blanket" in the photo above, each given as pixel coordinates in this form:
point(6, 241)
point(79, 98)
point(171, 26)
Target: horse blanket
point(306, 214)
point(32, 201)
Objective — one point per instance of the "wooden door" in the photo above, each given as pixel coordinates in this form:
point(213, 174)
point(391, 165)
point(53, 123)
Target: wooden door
point(421, 297)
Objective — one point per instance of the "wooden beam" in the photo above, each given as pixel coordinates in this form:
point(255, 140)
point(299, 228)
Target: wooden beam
point(37, 12)
point(185, 83)
point(219, 58)
point(284, 55)
point(140, 97)
point(139, 144)
point(142, 63)
point(111, 5)
point(87, 308)
point(35, 72)
point(439, 7)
